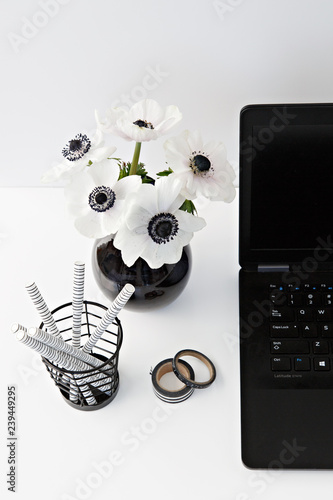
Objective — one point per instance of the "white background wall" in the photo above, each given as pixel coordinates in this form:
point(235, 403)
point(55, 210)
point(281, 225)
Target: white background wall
point(61, 59)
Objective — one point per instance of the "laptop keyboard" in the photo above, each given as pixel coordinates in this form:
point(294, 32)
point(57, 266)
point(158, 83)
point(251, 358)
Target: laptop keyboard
point(301, 327)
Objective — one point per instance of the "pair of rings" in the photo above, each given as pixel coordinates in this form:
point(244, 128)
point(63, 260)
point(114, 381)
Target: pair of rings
point(184, 372)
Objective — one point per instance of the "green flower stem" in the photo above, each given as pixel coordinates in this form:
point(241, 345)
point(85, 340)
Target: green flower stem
point(135, 160)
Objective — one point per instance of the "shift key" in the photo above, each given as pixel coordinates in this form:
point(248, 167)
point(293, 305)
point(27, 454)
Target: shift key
point(290, 347)
point(282, 314)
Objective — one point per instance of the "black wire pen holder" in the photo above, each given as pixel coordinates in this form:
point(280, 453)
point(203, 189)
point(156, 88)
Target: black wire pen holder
point(93, 388)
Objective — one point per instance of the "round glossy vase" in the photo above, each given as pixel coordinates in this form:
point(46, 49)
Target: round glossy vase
point(153, 287)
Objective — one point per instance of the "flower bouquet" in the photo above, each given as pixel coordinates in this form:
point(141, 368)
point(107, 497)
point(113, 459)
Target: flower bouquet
point(147, 218)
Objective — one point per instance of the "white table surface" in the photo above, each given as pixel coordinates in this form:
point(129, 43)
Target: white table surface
point(137, 446)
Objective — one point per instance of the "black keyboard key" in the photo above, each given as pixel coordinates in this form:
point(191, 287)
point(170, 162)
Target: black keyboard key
point(321, 364)
point(292, 288)
point(302, 363)
point(290, 347)
point(324, 315)
point(320, 347)
point(309, 330)
point(328, 299)
point(278, 298)
point(295, 299)
point(274, 288)
point(312, 299)
point(281, 364)
point(284, 330)
point(282, 314)
point(327, 330)
point(305, 314)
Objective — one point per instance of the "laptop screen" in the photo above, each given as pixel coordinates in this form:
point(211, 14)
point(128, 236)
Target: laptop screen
point(286, 182)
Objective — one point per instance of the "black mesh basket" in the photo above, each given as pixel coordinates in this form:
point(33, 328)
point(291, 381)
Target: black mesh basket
point(93, 388)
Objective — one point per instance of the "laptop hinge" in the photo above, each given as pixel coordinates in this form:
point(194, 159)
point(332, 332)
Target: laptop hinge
point(273, 268)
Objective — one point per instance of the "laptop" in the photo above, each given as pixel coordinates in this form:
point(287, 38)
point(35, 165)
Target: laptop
point(286, 286)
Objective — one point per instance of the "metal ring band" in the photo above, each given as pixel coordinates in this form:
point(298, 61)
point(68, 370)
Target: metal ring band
point(189, 381)
point(170, 396)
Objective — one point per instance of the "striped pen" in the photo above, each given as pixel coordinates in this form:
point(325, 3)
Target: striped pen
point(82, 361)
point(16, 327)
point(109, 316)
point(77, 303)
point(61, 345)
point(42, 309)
point(59, 358)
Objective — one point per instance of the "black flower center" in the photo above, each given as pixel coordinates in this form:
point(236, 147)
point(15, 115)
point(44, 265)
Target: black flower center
point(163, 227)
point(77, 147)
point(143, 124)
point(200, 163)
point(101, 199)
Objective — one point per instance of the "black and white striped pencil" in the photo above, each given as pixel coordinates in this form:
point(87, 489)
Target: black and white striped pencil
point(59, 358)
point(81, 360)
point(42, 309)
point(77, 303)
point(16, 327)
point(61, 345)
point(109, 316)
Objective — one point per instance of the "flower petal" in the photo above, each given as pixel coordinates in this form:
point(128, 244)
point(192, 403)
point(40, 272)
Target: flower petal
point(112, 218)
point(138, 218)
point(146, 196)
point(172, 117)
point(104, 173)
point(168, 190)
point(157, 255)
point(134, 132)
point(78, 190)
point(131, 245)
point(148, 110)
point(63, 171)
point(91, 225)
point(55, 173)
point(108, 124)
point(100, 154)
point(97, 139)
point(126, 185)
point(189, 222)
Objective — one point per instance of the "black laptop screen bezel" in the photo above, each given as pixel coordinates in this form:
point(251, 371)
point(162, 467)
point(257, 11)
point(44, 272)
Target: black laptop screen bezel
point(272, 118)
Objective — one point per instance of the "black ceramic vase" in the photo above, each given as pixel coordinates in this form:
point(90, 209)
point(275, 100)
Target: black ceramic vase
point(153, 287)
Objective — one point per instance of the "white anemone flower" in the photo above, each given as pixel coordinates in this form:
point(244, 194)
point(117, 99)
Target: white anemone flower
point(78, 153)
point(146, 120)
point(203, 169)
point(96, 198)
point(153, 226)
